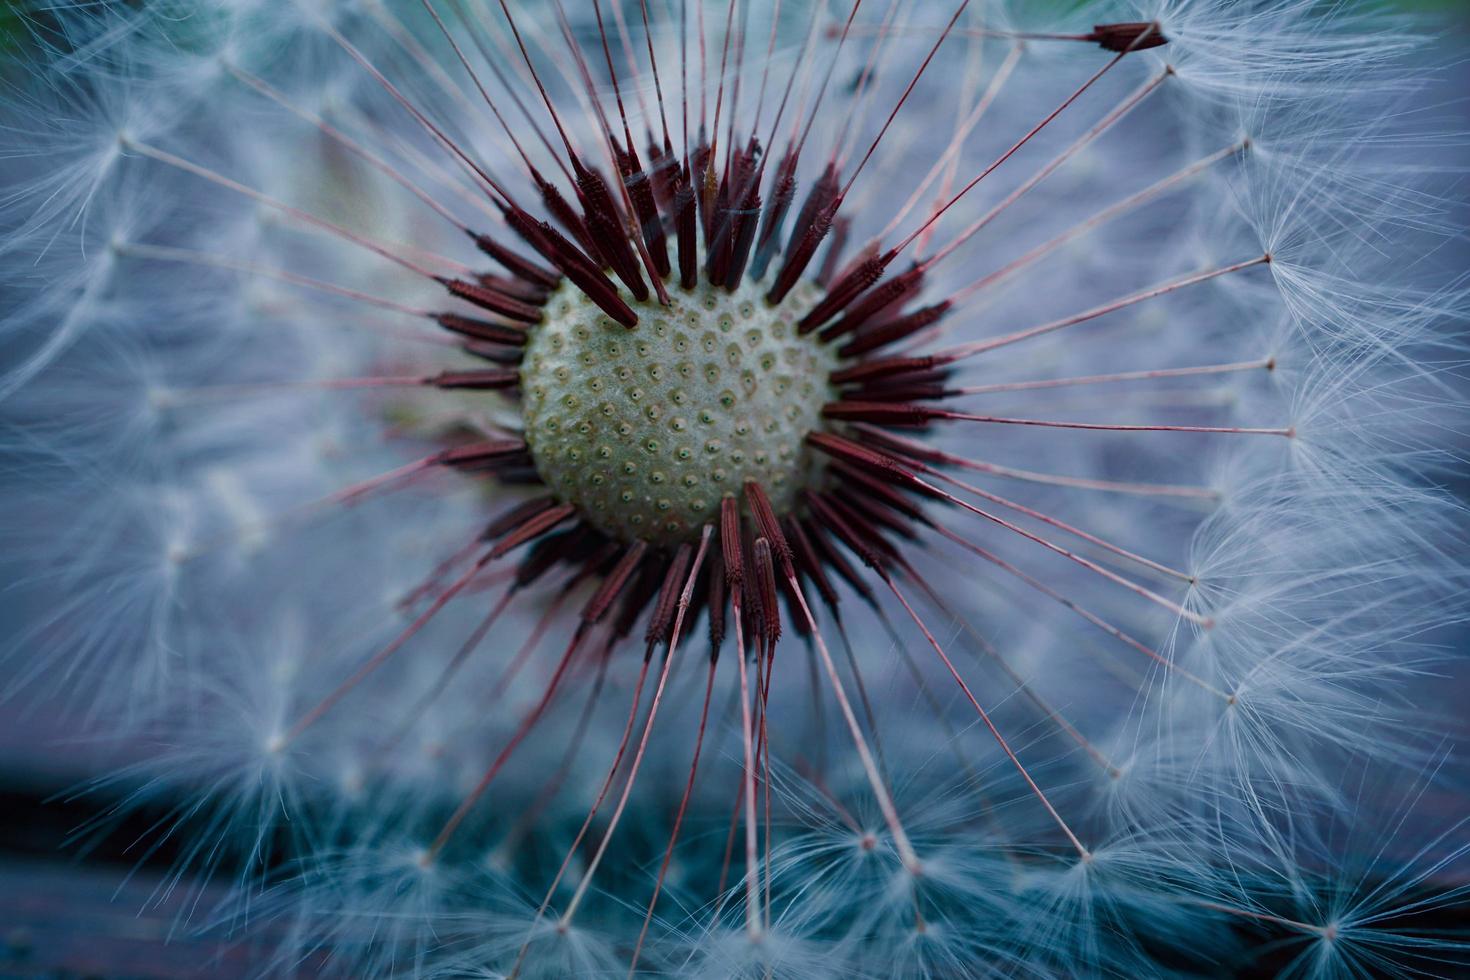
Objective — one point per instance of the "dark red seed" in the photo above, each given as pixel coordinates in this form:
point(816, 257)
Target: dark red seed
point(661, 622)
point(877, 335)
point(605, 223)
point(686, 227)
point(715, 603)
point(730, 542)
point(775, 215)
point(813, 222)
point(637, 598)
point(1135, 36)
point(770, 527)
point(885, 493)
point(841, 231)
point(827, 516)
point(517, 265)
point(640, 192)
point(477, 329)
point(904, 414)
point(515, 516)
point(479, 454)
point(809, 561)
point(832, 556)
point(518, 289)
point(884, 367)
point(846, 289)
point(494, 353)
point(493, 301)
point(614, 582)
point(484, 380)
point(883, 298)
point(564, 214)
point(532, 528)
point(586, 277)
point(765, 576)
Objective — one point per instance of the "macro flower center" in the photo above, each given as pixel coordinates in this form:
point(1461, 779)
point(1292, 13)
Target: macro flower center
point(644, 430)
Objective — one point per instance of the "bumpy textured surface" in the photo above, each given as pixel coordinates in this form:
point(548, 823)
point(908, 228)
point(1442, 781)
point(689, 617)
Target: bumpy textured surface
point(646, 429)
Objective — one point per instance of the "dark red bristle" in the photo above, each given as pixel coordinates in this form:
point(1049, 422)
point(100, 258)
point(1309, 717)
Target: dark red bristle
point(572, 262)
point(752, 598)
point(519, 476)
point(937, 376)
point(528, 229)
point(821, 194)
point(745, 212)
point(900, 414)
point(702, 182)
point(902, 392)
point(717, 243)
point(801, 256)
point(863, 527)
point(686, 231)
point(876, 515)
point(871, 459)
point(901, 447)
point(747, 218)
point(663, 170)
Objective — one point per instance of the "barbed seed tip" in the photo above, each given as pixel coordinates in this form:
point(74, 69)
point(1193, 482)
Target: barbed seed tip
point(1129, 36)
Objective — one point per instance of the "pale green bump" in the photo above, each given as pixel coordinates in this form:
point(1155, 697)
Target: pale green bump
point(644, 440)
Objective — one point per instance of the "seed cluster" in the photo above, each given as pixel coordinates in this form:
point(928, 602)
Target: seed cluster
point(645, 430)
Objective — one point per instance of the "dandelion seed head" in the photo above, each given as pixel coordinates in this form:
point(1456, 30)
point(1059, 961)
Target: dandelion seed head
point(646, 431)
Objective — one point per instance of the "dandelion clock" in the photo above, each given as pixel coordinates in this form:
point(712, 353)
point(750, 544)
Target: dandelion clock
point(760, 488)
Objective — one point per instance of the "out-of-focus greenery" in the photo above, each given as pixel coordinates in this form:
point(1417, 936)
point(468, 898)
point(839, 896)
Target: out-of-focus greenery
point(11, 29)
